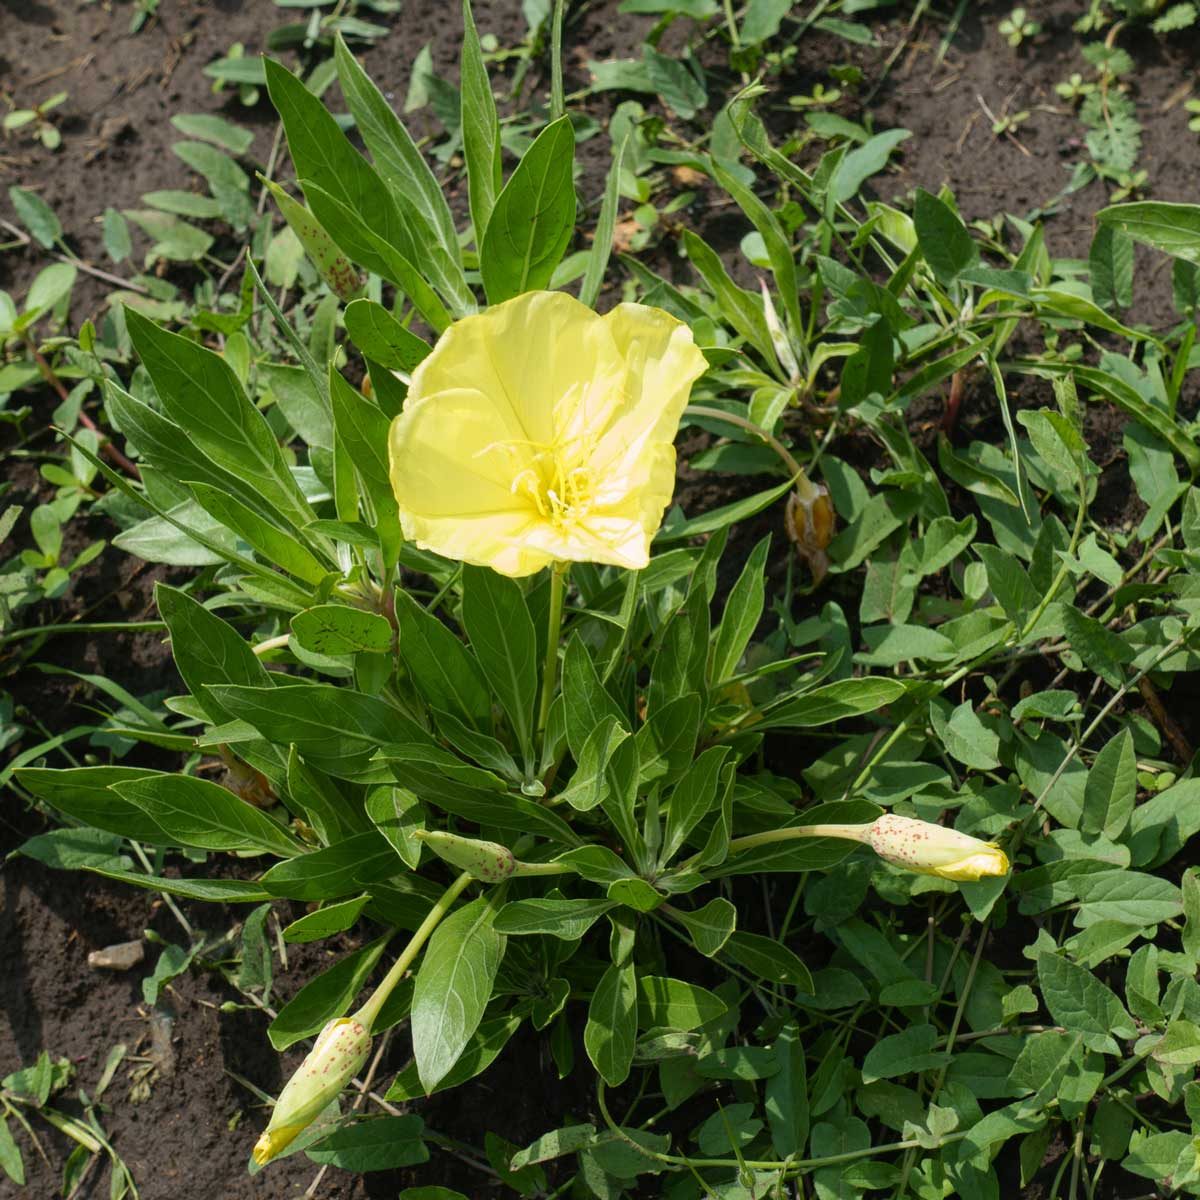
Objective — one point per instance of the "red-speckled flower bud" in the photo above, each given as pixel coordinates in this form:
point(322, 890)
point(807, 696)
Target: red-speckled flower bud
point(932, 849)
point(338, 1055)
point(488, 862)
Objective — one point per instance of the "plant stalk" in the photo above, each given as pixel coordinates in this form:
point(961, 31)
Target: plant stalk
point(558, 576)
point(368, 1014)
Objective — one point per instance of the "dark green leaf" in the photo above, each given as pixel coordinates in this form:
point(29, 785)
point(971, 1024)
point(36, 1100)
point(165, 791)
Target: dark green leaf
point(533, 218)
point(453, 987)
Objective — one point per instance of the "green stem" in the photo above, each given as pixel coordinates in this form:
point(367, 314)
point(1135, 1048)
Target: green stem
point(369, 1013)
point(84, 627)
point(558, 575)
point(856, 833)
point(526, 869)
point(719, 414)
point(788, 1166)
point(557, 107)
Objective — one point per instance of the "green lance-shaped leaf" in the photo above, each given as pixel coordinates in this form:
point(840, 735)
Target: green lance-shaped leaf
point(533, 219)
point(333, 266)
point(453, 987)
point(480, 128)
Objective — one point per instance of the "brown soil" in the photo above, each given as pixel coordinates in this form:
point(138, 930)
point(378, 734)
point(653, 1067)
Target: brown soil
point(181, 1140)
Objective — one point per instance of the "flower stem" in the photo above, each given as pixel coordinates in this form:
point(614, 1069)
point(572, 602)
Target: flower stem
point(558, 576)
point(719, 414)
point(369, 1013)
point(856, 833)
point(557, 107)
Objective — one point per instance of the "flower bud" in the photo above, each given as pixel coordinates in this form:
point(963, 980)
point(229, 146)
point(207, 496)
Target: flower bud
point(341, 1049)
point(931, 849)
point(488, 862)
point(810, 521)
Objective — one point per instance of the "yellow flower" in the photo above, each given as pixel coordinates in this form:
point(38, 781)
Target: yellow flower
point(931, 849)
point(336, 1057)
point(539, 432)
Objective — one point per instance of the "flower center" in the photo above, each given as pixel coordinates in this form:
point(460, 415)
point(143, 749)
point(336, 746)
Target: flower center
point(559, 484)
point(556, 477)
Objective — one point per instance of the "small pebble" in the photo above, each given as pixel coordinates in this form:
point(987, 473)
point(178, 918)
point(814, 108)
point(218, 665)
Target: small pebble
point(120, 957)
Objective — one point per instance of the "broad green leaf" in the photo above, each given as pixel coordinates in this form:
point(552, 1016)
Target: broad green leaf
point(446, 672)
point(337, 730)
point(453, 987)
point(1079, 1002)
point(36, 215)
point(554, 1145)
point(164, 444)
point(611, 1031)
point(786, 1102)
point(1110, 260)
point(362, 242)
point(1102, 651)
point(229, 184)
point(862, 162)
point(201, 394)
point(325, 921)
point(587, 703)
point(832, 702)
point(362, 430)
point(398, 814)
point(769, 959)
point(10, 1155)
point(717, 519)
point(87, 795)
point(947, 246)
point(490, 1038)
point(501, 631)
point(1130, 897)
point(1111, 788)
point(709, 926)
point(742, 309)
point(743, 610)
point(692, 799)
point(1172, 228)
point(382, 338)
point(340, 629)
point(675, 1004)
point(566, 919)
point(349, 866)
point(1044, 1060)
point(207, 650)
point(72, 849)
point(275, 546)
point(198, 813)
point(480, 129)
point(965, 737)
point(324, 997)
point(405, 171)
point(533, 218)
point(908, 1052)
point(670, 77)
point(211, 128)
point(376, 1144)
point(347, 195)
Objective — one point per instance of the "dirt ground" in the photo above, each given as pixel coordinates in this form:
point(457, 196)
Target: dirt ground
point(190, 1136)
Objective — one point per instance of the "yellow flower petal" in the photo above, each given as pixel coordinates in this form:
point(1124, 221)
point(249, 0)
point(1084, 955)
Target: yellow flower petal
point(537, 432)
